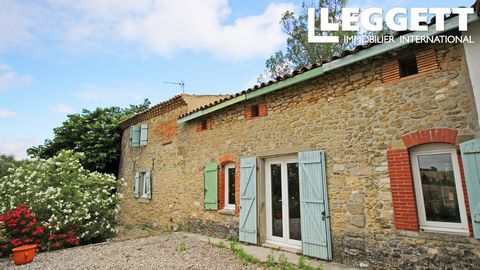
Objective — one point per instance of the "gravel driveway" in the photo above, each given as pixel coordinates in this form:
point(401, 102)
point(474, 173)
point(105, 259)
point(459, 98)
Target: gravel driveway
point(158, 252)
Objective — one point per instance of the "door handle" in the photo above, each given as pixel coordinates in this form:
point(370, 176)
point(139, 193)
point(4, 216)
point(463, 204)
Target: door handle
point(324, 216)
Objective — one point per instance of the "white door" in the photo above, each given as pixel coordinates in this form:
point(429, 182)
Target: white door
point(283, 202)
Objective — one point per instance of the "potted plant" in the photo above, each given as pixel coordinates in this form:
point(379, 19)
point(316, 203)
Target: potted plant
point(23, 234)
point(24, 254)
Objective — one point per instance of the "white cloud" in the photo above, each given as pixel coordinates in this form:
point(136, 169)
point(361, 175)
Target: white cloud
point(7, 114)
point(161, 27)
point(16, 22)
point(62, 109)
point(17, 146)
point(9, 78)
point(92, 92)
point(120, 94)
point(197, 25)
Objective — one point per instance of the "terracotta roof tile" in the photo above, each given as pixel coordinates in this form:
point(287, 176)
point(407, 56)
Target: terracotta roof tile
point(314, 65)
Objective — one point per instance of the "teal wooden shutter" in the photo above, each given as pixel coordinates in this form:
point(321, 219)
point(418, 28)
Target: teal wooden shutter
point(136, 181)
point(471, 167)
point(211, 186)
point(144, 135)
point(135, 134)
point(148, 184)
point(315, 221)
point(248, 200)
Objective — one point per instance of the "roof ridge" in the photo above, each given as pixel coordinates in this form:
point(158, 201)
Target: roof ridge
point(303, 69)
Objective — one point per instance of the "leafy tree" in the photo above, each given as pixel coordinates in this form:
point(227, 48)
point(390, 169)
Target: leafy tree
point(299, 52)
point(7, 162)
point(95, 133)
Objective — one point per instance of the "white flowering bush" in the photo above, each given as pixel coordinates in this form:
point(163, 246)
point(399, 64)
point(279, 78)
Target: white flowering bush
point(64, 196)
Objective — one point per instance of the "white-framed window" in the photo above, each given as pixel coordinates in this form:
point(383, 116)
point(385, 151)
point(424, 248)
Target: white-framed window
point(142, 185)
point(438, 188)
point(229, 170)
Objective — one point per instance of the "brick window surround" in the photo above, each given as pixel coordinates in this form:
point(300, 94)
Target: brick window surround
point(248, 109)
point(401, 178)
point(426, 63)
point(204, 124)
point(167, 130)
point(222, 161)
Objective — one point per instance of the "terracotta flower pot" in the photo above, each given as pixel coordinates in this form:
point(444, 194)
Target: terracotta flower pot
point(24, 254)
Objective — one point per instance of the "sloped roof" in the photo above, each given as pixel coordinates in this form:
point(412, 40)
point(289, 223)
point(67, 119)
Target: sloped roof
point(304, 69)
point(190, 101)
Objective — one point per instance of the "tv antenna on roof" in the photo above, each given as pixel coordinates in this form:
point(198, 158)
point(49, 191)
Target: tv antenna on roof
point(181, 84)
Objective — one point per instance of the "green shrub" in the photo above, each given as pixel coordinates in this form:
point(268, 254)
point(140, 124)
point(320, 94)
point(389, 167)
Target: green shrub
point(182, 246)
point(63, 195)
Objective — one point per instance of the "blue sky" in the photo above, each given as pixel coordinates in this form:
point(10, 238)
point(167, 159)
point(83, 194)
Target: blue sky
point(59, 56)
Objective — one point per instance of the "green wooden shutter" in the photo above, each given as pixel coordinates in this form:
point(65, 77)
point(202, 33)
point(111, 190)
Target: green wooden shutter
point(136, 181)
point(144, 135)
point(315, 221)
point(471, 167)
point(148, 184)
point(135, 134)
point(211, 186)
point(248, 200)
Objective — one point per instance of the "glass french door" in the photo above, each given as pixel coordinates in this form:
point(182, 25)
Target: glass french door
point(283, 202)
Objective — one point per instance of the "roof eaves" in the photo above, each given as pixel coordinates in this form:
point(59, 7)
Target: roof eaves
point(137, 117)
point(360, 53)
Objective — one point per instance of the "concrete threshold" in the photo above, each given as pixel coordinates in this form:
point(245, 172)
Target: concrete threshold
point(262, 253)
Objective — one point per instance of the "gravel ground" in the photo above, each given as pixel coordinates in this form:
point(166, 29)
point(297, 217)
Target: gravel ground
point(158, 252)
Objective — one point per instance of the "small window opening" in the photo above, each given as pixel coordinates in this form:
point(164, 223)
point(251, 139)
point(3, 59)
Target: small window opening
point(254, 111)
point(203, 124)
point(408, 66)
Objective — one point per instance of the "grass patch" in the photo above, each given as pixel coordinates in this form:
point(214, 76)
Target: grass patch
point(241, 254)
point(271, 261)
point(302, 264)
point(272, 264)
point(182, 246)
point(221, 244)
point(146, 227)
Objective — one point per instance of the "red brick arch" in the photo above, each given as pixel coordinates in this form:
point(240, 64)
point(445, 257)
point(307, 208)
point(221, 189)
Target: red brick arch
point(438, 135)
point(401, 178)
point(221, 181)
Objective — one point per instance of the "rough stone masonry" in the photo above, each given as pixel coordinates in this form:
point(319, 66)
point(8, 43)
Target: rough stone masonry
point(355, 118)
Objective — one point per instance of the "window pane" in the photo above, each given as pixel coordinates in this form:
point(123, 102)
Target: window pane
point(294, 201)
point(231, 186)
point(408, 66)
point(277, 219)
point(141, 186)
point(438, 187)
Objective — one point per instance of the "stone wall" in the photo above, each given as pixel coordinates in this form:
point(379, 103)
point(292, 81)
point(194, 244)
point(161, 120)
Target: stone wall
point(355, 118)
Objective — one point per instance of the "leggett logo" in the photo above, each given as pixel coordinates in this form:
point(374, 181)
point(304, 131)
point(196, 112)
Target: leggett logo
point(372, 19)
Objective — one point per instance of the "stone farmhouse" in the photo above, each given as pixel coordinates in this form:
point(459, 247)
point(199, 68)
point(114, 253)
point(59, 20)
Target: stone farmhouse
point(369, 159)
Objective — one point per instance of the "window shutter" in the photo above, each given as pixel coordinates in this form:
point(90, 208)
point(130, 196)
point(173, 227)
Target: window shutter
point(391, 71)
point(136, 182)
point(315, 217)
point(211, 186)
point(144, 135)
point(148, 184)
point(135, 131)
point(471, 166)
point(427, 61)
point(248, 200)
